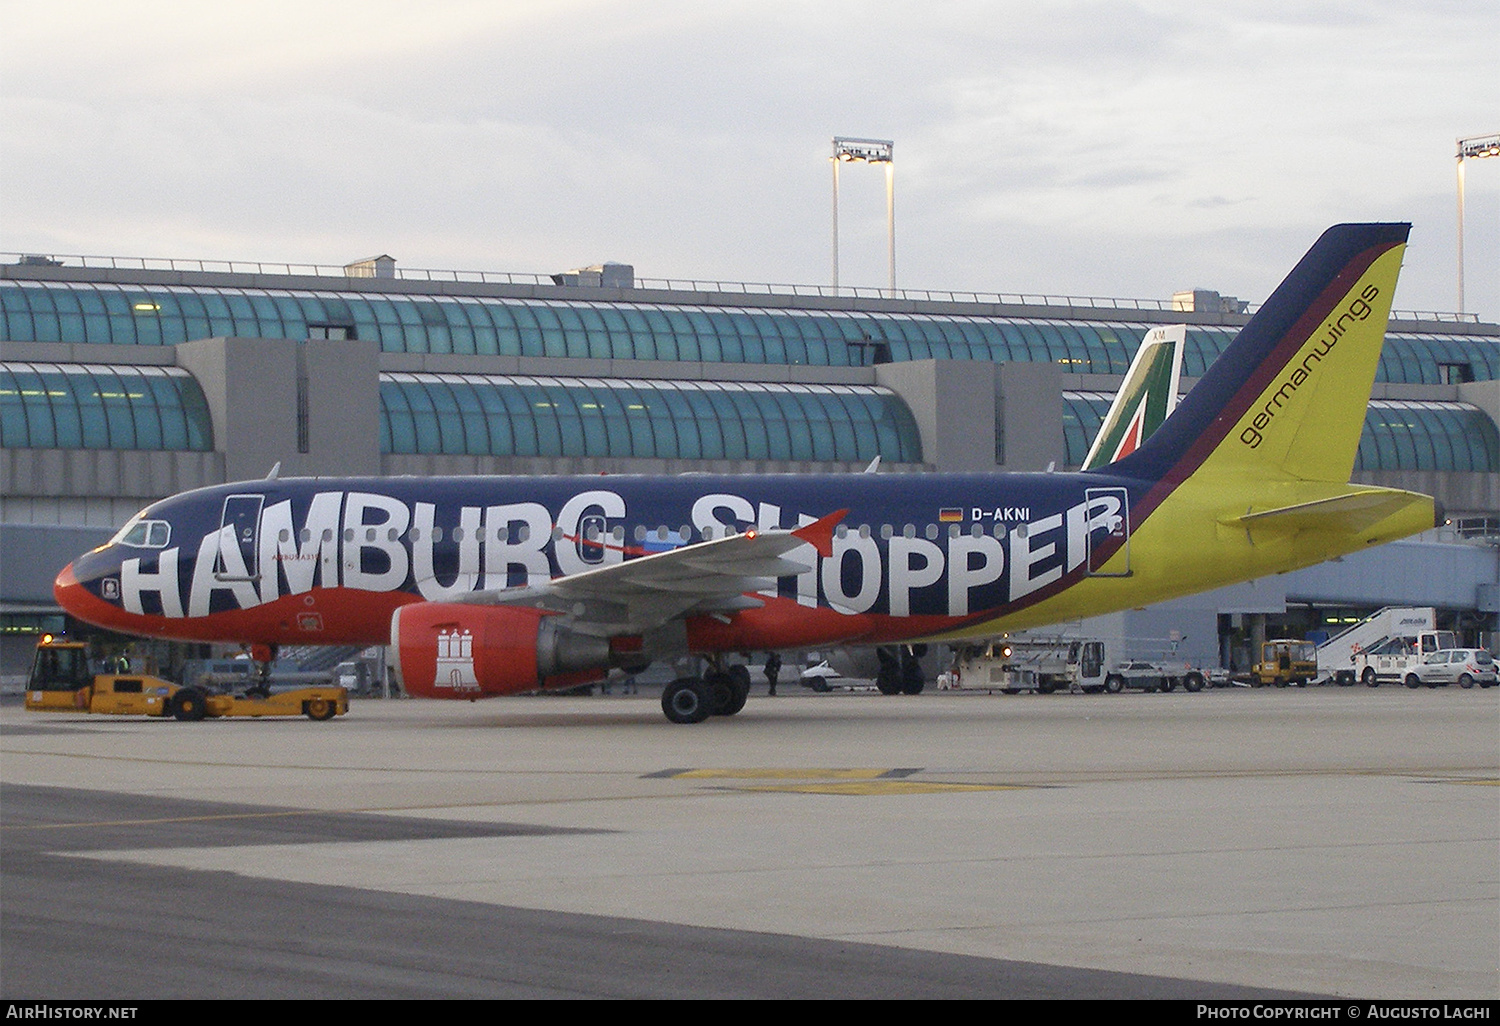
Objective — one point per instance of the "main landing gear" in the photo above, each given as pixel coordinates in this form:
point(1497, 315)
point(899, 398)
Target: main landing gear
point(721, 691)
point(900, 671)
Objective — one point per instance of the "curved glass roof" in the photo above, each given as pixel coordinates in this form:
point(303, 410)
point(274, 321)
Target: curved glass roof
point(91, 406)
point(501, 415)
point(1398, 435)
point(1401, 435)
point(163, 315)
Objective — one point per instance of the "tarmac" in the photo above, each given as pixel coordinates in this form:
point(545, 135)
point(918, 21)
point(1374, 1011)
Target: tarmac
point(1223, 845)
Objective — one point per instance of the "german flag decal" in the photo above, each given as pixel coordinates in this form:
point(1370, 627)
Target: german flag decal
point(950, 515)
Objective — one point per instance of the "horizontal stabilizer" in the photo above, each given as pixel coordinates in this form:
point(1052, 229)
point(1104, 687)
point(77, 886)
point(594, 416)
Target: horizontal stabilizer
point(1350, 512)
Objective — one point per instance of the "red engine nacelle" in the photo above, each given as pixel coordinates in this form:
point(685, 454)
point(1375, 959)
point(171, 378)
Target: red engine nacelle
point(446, 650)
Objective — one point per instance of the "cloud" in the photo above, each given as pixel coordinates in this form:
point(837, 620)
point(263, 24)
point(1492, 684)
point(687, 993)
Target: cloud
point(1102, 147)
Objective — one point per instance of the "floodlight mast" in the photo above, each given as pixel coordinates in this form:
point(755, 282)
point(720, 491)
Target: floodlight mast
point(848, 150)
point(1473, 148)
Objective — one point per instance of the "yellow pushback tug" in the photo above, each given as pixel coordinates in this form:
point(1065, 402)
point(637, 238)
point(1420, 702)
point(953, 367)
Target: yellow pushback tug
point(63, 681)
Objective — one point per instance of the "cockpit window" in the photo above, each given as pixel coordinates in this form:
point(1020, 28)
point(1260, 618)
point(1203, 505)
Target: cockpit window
point(145, 534)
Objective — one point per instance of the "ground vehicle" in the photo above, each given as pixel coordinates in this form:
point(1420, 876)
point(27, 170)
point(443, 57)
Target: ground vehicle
point(1338, 655)
point(1019, 664)
point(1462, 666)
point(1394, 658)
point(62, 680)
point(1146, 675)
point(1285, 661)
point(817, 677)
point(1046, 665)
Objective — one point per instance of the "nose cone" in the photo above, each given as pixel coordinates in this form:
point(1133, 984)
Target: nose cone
point(99, 606)
point(68, 592)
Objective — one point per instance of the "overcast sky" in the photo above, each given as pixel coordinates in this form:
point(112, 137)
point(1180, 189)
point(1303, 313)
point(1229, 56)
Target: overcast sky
point(1087, 148)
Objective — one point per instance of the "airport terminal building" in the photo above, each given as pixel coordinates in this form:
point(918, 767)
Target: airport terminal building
point(123, 381)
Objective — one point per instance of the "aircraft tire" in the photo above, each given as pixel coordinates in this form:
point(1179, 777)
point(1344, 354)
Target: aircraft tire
point(720, 693)
point(687, 700)
point(737, 686)
point(1465, 681)
point(888, 677)
point(189, 705)
point(911, 671)
point(737, 699)
point(319, 709)
point(1114, 684)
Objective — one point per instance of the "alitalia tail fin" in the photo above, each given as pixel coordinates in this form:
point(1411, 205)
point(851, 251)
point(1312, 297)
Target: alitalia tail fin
point(1287, 399)
point(1146, 397)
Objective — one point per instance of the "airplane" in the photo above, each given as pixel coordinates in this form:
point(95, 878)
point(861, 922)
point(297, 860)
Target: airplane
point(487, 586)
point(1147, 396)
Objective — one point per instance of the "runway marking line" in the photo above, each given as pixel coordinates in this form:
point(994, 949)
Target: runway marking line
point(783, 773)
point(211, 818)
point(881, 787)
point(824, 780)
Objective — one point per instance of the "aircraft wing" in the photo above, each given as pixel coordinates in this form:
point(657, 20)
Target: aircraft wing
point(639, 594)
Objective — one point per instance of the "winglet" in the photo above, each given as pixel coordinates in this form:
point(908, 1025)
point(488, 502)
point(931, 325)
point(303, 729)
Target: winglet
point(819, 533)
